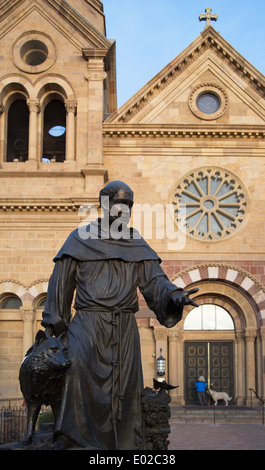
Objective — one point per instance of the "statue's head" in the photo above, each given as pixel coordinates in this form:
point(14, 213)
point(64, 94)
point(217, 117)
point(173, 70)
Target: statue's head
point(116, 201)
point(116, 190)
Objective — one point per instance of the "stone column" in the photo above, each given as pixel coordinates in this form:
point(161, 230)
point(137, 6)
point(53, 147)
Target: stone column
point(250, 336)
point(70, 106)
point(261, 362)
point(34, 109)
point(240, 368)
point(28, 316)
point(95, 77)
point(175, 360)
point(2, 133)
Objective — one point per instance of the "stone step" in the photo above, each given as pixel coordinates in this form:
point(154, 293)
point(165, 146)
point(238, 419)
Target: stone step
point(219, 414)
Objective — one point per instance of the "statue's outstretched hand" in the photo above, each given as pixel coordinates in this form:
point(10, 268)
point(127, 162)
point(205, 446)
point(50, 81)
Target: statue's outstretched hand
point(182, 297)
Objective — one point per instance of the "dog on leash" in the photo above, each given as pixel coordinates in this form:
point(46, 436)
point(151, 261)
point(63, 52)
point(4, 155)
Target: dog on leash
point(219, 396)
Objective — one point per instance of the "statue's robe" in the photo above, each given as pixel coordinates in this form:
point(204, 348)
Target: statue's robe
point(101, 404)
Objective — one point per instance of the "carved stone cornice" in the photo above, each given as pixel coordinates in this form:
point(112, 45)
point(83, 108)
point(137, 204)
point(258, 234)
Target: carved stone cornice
point(89, 53)
point(42, 206)
point(183, 132)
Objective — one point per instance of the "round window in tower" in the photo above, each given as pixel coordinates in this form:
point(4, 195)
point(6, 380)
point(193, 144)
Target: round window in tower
point(33, 52)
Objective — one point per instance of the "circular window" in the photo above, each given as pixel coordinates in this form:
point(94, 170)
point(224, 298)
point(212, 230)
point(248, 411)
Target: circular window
point(33, 52)
point(208, 101)
point(210, 204)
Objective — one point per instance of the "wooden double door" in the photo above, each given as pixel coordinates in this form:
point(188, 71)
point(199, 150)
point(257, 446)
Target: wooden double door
point(213, 361)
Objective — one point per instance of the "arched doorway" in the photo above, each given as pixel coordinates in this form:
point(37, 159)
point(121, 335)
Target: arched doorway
point(243, 297)
point(212, 357)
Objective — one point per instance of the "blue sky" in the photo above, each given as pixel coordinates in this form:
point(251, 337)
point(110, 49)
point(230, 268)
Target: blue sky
point(151, 33)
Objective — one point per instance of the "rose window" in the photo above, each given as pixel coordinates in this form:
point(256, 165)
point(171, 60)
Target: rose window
point(210, 204)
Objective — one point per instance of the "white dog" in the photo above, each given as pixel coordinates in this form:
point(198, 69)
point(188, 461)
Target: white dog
point(220, 396)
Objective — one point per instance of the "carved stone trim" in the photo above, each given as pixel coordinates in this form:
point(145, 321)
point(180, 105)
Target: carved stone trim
point(250, 335)
point(182, 133)
point(34, 106)
point(45, 205)
point(220, 271)
point(70, 106)
point(212, 88)
point(26, 41)
point(96, 76)
point(39, 207)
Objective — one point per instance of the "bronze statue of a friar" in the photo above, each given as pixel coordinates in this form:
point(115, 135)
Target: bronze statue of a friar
point(101, 401)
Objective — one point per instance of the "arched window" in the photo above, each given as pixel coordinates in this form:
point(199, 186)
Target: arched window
point(40, 304)
point(10, 302)
point(17, 131)
point(54, 131)
point(208, 317)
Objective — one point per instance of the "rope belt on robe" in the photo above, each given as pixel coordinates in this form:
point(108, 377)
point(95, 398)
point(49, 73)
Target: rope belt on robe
point(116, 362)
point(116, 411)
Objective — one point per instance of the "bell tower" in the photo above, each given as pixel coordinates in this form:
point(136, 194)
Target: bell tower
point(57, 86)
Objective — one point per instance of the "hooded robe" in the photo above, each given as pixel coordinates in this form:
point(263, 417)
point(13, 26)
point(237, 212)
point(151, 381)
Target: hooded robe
point(101, 402)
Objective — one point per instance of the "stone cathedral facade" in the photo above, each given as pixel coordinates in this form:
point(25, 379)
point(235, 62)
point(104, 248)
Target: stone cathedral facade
point(192, 139)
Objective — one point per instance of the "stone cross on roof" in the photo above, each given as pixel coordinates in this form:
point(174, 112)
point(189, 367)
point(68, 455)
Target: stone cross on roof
point(208, 17)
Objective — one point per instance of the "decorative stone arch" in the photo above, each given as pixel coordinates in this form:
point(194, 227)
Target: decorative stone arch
point(53, 83)
point(13, 287)
point(231, 276)
point(221, 302)
point(12, 88)
point(27, 312)
point(48, 88)
point(37, 290)
point(13, 83)
point(37, 95)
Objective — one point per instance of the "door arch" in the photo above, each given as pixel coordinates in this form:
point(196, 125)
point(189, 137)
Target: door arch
point(244, 299)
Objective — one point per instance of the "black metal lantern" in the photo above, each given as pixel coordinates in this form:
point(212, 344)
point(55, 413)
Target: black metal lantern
point(161, 365)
